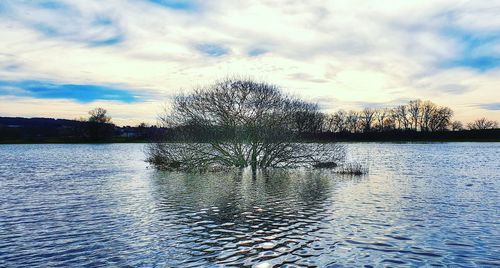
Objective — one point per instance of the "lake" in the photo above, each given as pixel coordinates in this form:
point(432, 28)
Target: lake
point(434, 204)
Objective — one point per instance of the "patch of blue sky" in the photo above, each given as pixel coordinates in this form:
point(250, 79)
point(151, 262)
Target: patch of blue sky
point(47, 30)
point(3, 8)
point(495, 106)
point(479, 63)
point(185, 5)
point(82, 93)
point(50, 4)
point(114, 40)
point(6, 6)
point(103, 21)
point(477, 50)
point(212, 49)
point(254, 52)
point(54, 32)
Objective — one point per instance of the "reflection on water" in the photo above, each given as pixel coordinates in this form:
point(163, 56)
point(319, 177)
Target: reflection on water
point(99, 205)
point(233, 219)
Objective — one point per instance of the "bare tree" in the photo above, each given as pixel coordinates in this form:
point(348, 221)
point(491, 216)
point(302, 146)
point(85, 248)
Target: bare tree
point(328, 123)
point(308, 119)
point(99, 115)
point(382, 117)
point(99, 126)
point(338, 122)
point(400, 115)
point(427, 112)
point(482, 123)
point(389, 123)
point(440, 119)
point(457, 126)
point(353, 122)
point(367, 118)
point(414, 112)
point(249, 124)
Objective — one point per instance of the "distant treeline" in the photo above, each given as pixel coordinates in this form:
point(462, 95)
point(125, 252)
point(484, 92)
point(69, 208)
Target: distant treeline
point(415, 116)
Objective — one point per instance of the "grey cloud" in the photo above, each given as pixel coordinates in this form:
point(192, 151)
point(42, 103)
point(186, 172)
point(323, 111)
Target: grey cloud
point(307, 77)
point(455, 88)
point(494, 106)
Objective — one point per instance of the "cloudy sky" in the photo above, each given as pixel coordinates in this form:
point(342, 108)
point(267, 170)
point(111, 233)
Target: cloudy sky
point(62, 58)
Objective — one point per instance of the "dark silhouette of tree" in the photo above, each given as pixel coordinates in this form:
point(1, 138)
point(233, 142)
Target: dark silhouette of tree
point(414, 110)
point(482, 123)
point(384, 120)
point(99, 126)
point(242, 123)
point(99, 115)
point(143, 130)
point(367, 117)
point(427, 112)
point(353, 122)
point(308, 119)
point(457, 126)
point(440, 119)
point(401, 115)
point(337, 122)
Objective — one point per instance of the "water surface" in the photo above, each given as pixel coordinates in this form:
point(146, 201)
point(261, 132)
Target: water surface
point(100, 205)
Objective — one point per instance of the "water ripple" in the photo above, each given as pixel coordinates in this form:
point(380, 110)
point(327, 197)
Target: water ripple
point(100, 206)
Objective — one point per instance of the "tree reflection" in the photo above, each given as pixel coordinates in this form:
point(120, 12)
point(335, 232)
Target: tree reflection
point(234, 218)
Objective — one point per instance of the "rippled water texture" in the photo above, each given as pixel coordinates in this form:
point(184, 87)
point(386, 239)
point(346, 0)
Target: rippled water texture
point(99, 205)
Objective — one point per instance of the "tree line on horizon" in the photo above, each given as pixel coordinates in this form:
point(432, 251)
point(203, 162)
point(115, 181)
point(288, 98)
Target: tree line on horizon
point(416, 115)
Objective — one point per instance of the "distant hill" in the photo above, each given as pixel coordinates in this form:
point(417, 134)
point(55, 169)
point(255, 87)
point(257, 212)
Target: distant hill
point(38, 121)
point(39, 129)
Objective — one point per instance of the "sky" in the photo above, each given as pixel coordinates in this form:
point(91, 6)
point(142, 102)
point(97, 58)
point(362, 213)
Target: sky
point(62, 58)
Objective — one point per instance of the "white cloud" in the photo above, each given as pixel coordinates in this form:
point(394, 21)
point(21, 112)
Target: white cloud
point(350, 51)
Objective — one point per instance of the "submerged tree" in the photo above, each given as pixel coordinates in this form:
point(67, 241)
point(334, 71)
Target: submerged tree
point(239, 123)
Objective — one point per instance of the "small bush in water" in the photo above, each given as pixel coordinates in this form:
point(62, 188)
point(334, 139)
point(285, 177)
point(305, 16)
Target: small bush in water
point(353, 168)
